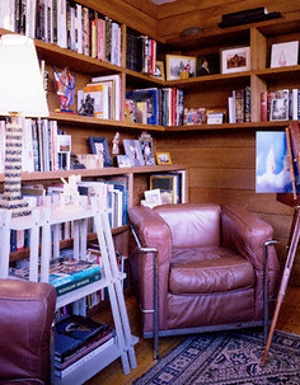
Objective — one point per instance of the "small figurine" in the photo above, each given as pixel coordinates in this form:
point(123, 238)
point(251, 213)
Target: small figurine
point(116, 142)
point(65, 85)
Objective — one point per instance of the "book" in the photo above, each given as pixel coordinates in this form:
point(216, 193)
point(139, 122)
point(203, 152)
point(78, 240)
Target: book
point(67, 287)
point(116, 93)
point(74, 332)
point(100, 97)
point(92, 350)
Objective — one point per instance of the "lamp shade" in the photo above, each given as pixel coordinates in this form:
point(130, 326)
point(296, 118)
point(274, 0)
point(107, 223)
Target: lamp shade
point(21, 89)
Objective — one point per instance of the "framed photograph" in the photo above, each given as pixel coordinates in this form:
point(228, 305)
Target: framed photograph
point(122, 161)
point(284, 54)
point(235, 60)
point(159, 70)
point(99, 146)
point(147, 149)
point(180, 67)
point(163, 158)
point(153, 198)
point(208, 64)
point(279, 109)
point(133, 150)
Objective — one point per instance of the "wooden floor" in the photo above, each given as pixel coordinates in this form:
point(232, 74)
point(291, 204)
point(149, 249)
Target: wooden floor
point(289, 321)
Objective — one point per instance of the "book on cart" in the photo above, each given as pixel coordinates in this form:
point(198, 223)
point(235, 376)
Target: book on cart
point(76, 336)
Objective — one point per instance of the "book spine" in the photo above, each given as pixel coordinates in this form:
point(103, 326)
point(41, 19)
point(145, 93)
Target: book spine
point(264, 106)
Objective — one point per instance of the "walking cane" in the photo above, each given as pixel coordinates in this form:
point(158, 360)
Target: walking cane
point(295, 232)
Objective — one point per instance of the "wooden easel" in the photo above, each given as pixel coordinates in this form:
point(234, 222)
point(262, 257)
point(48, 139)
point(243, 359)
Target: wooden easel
point(292, 245)
point(292, 248)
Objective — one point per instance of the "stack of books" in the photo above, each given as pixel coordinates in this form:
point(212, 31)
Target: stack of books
point(66, 274)
point(78, 339)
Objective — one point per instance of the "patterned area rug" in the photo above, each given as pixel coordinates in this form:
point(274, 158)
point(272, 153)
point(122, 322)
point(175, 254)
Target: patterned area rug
point(230, 358)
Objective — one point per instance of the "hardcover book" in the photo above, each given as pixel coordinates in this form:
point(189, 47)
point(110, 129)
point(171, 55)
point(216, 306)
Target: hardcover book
point(74, 332)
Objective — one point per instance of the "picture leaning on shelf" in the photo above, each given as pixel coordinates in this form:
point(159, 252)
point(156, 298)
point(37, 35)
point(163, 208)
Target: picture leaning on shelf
point(284, 54)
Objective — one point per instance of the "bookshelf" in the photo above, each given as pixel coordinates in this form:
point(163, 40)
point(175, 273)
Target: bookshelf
point(46, 219)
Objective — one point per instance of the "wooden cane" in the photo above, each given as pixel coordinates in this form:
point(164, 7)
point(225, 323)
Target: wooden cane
point(284, 281)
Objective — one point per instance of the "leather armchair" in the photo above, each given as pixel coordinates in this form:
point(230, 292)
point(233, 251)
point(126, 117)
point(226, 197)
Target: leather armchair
point(27, 312)
point(211, 263)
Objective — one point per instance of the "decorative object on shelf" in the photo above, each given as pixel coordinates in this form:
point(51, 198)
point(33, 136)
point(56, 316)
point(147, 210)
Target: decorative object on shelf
point(147, 148)
point(133, 150)
point(22, 95)
point(159, 70)
point(163, 158)
point(284, 54)
point(279, 109)
point(152, 198)
point(179, 67)
point(247, 16)
point(116, 143)
point(216, 116)
point(65, 86)
point(208, 64)
point(190, 31)
point(194, 116)
point(91, 161)
point(235, 60)
point(122, 161)
point(99, 146)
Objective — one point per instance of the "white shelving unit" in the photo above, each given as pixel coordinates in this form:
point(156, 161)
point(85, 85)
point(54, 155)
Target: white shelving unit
point(44, 223)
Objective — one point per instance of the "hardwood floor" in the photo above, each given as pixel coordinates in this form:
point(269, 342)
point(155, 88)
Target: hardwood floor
point(289, 321)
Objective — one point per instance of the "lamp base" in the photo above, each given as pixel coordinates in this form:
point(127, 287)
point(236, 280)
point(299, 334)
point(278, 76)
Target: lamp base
point(12, 198)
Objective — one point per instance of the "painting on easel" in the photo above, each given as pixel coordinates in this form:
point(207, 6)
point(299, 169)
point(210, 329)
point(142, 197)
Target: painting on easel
point(275, 169)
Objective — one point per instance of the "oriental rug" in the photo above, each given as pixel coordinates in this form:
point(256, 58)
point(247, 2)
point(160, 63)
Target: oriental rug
point(228, 358)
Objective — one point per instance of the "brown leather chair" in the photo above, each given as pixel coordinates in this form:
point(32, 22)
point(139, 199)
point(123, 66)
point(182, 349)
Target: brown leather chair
point(210, 264)
point(27, 311)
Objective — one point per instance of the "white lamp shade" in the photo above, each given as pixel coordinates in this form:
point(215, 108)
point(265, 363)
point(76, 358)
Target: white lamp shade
point(21, 83)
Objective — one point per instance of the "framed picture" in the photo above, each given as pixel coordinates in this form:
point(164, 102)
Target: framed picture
point(99, 146)
point(235, 60)
point(208, 64)
point(284, 54)
point(279, 109)
point(134, 152)
point(179, 67)
point(159, 70)
point(122, 161)
point(147, 149)
point(163, 158)
point(153, 198)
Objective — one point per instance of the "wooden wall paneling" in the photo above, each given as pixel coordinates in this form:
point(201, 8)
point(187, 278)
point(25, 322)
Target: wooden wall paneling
point(191, 13)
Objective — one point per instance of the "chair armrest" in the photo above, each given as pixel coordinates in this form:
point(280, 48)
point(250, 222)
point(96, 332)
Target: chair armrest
point(246, 233)
point(153, 235)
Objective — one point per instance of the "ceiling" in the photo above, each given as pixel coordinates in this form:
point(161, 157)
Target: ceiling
point(159, 2)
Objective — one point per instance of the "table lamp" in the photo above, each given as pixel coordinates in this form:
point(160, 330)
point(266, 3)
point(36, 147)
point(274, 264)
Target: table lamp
point(21, 95)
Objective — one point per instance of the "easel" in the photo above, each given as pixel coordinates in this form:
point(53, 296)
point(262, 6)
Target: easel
point(293, 242)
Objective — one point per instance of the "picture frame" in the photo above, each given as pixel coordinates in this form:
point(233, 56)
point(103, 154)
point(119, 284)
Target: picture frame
point(132, 148)
point(208, 64)
point(153, 198)
point(122, 161)
point(180, 67)
point(236, 59)
point(147, 149)
point(163, 158)
point(99, 145)
point(284, 54)
point(279, 109)
point(159, 70)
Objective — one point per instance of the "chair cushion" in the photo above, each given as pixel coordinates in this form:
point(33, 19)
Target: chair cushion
point(208, 270)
